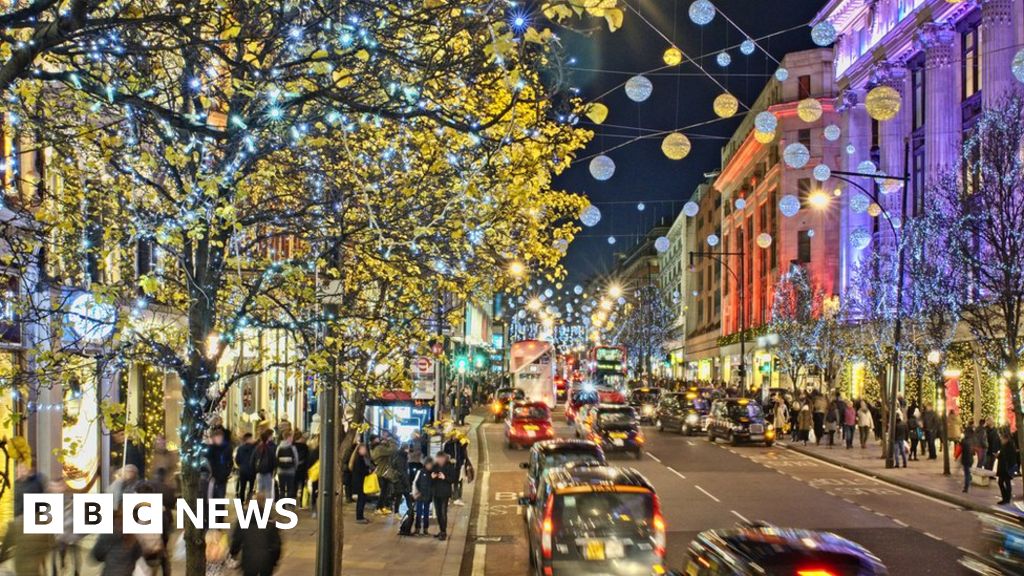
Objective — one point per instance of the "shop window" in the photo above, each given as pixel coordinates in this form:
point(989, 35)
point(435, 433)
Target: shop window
point(970, 62)
point(803, 247)
point(918, 100)
point(804, 87)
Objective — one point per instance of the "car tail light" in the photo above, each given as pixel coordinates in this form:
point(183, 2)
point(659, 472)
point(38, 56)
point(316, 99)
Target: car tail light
point(547, 528)
point(640, 438)
point(496, 407)
point(815, 572)
point(659, 529)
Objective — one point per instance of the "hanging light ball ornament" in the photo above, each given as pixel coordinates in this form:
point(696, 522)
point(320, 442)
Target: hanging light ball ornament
point(822, 172)
point(823, 33)
point(747, 47)
point(764, 240)
point(661, 244)
point(675, 146)
point(723, 59)
point(611, 239)
point(796, 155)
point(860, 238)
point(764, 137)
point(882, 103)
point(672, 56)
point(691, 208)
point(766, 121)
point(602, 167)
point(832, 132)
point(1018, 66)
point(577, 289)
point(639, 88)
point(851, 149)
point(726, 105)
point(561, 245)
point(741, 203)
point(867, 168)
point(641, 207)
point(859, 203)
point(809, 110)
point(712, 240)
point(781, 74)
point(810, 233)
point(874, 210)
point(702, 12)
point(789, 205)
point(590, 216)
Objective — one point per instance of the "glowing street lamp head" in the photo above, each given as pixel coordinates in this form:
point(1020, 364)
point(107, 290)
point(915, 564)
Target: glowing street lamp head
point(615, 290)
point(534, 304)
point(818, 199)
point(516, 269)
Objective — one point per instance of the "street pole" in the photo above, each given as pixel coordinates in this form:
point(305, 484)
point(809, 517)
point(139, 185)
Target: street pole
point(328, 458)
point(944, 431)
point(890, 461)
point(743, 323)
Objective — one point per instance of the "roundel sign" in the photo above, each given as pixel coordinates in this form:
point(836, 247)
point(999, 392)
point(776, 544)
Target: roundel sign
point(90, 320)
point(424, 364)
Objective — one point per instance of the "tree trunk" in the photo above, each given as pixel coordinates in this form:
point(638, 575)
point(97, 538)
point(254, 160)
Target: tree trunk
point(195, 542)
point(346, 443)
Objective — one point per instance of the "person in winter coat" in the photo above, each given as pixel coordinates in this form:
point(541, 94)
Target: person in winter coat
point(456, 447)
point(29, 550)
point(992, 435)
point(423, 492)
point(932, 424)
point(246, 471)
point(819, 406)
point(979, 442)
point(967, 453)
point(832, 423)
point(1009, 461)
point(849, 423)
point(401, 489)
point(864, 423)
point(953, 429)
point(417, 452)
point(117, 551)
point(913, 432)
point(263, 462)
point(899, 444)
point(382, 454)
point(260, 548)
point(218, 457)
point(804, 422)
point(302, 467)
point(443, 478)
point(360, 466)
point(781, 414)
point(287, 464)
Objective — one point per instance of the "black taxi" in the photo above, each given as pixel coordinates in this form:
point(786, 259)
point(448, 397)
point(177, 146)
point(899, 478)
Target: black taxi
point(739, 420)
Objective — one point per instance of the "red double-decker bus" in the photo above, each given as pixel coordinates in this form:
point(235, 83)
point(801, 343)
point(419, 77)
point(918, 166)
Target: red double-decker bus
point(606, 365)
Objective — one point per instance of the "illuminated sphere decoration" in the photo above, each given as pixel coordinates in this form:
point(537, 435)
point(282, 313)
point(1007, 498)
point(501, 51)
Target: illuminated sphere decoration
point(691, 208)
point(675, 146)
point(796, 155)
point(789, 205)
point(602, 167)
point(860, 238)
point(672, 56)
point(832, 132)
point(822, 172)
point(810, 233)
point(859, 203)
point(611, 239)
point(702, 12)
point(867, 167)
point(726, 105)
point(740, 204)
point(809, 110)
point(661, 244)
point(560, 244)
point(641, 207)
point(1018, 66)
point(882, 103)
point(874, 210)
point(723, 59)
point(639, 88)
point(590, 216)
point(747, 47)
point(764, 240)
point(781, 74)
point(766, 122)
point(712, 240)
point(823, 33)
point(851, 149)
point(764, 137)
point(577, 289)
point(549, 293)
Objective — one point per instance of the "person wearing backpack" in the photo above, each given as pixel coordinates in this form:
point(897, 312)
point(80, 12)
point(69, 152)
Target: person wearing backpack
point(287, 464)
point(263, 462)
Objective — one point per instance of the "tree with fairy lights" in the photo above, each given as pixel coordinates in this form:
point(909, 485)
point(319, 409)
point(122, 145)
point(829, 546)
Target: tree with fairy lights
point(794, 305)
point(643, 326)
point(314, 170)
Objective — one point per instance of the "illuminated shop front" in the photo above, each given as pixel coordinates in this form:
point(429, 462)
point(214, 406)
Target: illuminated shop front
point(396, 412)
point(80, 427)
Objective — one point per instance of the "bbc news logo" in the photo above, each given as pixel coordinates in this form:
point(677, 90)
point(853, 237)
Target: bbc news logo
point(143, 513)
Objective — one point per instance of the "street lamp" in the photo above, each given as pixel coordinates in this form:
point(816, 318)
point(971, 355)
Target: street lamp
point(615, 290)
point(935, 359)
point(516, 269)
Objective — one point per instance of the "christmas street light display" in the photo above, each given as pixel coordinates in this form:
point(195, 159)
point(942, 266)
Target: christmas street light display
point(675, 146)
point(726, 105)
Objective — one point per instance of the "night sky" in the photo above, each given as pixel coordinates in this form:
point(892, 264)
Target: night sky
point(682, 96)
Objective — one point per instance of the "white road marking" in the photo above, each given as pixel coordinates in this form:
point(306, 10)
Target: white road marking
point(932, 536)
point(901, 522)
point(480, 550)
point(653, 457)
point(676, 472)
point(706, 493)
point(740, 516)
point(690, 443)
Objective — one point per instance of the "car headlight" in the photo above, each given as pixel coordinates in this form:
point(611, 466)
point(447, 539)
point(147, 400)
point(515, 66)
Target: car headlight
point(770, 427)
point(692, 418)
point(648, 409)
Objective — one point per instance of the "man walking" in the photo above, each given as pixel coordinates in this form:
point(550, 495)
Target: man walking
point(246, 473)
point(1009, 460)
point(819, 406)
point(441, 480)
point(932, 425)
point(967, 454)
point(218, 455)
point(992, 435)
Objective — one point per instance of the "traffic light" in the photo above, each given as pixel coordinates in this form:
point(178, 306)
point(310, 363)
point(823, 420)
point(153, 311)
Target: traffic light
point(461, 364)
point(479, 360)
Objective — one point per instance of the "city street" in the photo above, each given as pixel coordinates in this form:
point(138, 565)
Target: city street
point(705, 486)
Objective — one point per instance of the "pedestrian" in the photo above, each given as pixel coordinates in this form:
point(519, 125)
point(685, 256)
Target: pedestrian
point(360, 466)
point(163, 459)
point(29, 550)
point(218, 457)
point(820, 407)
point(382, 454)
point(864, 423)
point(67, 541)
point(287, 464)
point(401, 490)
point(259, 547)
point(263, 462)
point(302, 466)
point(246, 480)
point(417, 451)
point(1009, 461)
point(124, 452)
point(465, 404)
point(967, 453)
point(423, 493)
point(899, 444)
point(849, 423)
point(876, 420)
point(980, 443)
point(832, 423)
point(442, 481)
point(456, 447)
point(153, 546)
point(804, 423)
point(953, 429)
point(118, 551)
point(914, 432)
point(992, 436)
point(794, 421)
point(931, 422)
point(127, 478)
point(781, 414)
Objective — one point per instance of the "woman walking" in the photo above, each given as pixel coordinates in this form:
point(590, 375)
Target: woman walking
point(864, 423)
point(361, 467)
point(804, 423)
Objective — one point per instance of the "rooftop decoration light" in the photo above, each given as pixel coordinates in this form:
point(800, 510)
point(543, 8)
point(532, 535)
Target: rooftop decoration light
point(726, 105)
point(702, 12)
point(859, 203)
point(874, 210)
point(822, 172)
point(883, 103)
point(781, 74)
point(867, 168)
point(740, 203)
point(638, 88)
point(809, 110)
point(672, 56)
point(597, 112)
point(675, 146)
point(602, 167)
point(860, 238)
point(795, 155)
point(712, 240)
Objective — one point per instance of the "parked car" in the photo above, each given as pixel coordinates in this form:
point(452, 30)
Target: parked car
point(645, 402)
point(684, 412)
point(757, 550)
point(595, 520)
point(528, 422)
point(503, 397)
point(548, 454)
point(739, 420)
point(578, 398)
point(617, 429)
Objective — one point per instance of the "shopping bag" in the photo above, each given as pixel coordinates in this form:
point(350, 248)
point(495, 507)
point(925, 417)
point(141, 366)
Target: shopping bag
point(371, 485)
point(957, 451)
